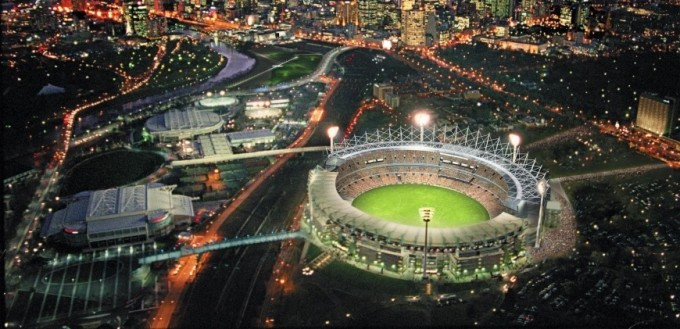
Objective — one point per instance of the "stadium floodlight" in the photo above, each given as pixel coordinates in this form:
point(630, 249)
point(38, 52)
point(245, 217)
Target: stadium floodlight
point(422, 118)
point(332, 132)
point(542, 187)
point(426, 215)
point(514, 140)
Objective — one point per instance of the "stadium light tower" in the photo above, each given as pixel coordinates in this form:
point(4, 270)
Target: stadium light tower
point(514, 140)
point(542, 187)
point(422, 118)
point(332, 132)
point(426, 214)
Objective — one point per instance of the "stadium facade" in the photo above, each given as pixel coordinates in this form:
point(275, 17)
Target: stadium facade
point(466, 161)
point(116, 216)
point(174, 124)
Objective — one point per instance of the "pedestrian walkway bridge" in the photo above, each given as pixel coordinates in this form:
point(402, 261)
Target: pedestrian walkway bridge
point(231, 157)
point(231, 243)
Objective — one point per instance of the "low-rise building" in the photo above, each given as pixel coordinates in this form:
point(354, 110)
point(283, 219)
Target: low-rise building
point(116, 216)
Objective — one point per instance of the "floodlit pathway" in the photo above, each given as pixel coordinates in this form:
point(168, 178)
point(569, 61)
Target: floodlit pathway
point(615, 172)
point(558, 138)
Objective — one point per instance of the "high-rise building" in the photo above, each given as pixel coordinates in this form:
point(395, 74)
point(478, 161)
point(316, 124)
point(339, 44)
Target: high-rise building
point(136, 19)
point(656, 114)
point(347, 12)
point(413, 27)
point(582, 14)
point(498, 8)
point(565, 15)
point(368, 12)
point(389, 14)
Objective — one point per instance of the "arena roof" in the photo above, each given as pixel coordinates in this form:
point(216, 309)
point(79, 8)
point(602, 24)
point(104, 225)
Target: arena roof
point(522, 175)
point(117, 208)
point(325, 195)
point(183, 120)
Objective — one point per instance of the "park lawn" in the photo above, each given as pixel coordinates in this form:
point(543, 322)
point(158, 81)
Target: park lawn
point(346, 275)
point(279, 55)
point(111, 169)
point(300, 67)
point(400, 204)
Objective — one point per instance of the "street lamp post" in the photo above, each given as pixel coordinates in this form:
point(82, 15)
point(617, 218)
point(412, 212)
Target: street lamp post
point(514, 140)
point(426, 214)
point(332, 132)
point(422, 118)
point(542, 188)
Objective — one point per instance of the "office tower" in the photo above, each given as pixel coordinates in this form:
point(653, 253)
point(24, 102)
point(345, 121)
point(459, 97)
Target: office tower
point(413, 27)
point(136, 19)
point(347, 12)
point(582, 14)
point(565, 15)
point(656, 114)
point(367, 12)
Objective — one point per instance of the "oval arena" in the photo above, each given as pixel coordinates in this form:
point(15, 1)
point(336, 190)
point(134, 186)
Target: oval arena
point(390, 172)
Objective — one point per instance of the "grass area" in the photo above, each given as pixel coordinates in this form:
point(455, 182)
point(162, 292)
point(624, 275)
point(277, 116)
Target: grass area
point(400, 204)
point(588, 153)
point(347, 275)
point(186, 62)
point(132, 60)
point(312, 252)
point(279, 55)
point(300, 67)
point(111, 169)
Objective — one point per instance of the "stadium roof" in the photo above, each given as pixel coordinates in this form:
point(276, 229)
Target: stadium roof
point(183, 120)
point(522, 175)
point(322, 188)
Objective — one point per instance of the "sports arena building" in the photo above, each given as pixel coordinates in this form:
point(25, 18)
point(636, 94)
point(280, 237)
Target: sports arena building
point(117, 216)
point(175, 124)
point(466, 161)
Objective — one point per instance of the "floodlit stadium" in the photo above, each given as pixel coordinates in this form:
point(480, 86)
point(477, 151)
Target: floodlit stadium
point(174, 124)
point(369, 199)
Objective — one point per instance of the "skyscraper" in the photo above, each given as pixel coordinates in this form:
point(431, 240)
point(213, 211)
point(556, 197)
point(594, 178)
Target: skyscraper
point(367, 12)
point(136, 19)
point(498, 8)
point(565, 15)
point(413, 27)
point(347, 12)
point(656, 114)
point(582, 14)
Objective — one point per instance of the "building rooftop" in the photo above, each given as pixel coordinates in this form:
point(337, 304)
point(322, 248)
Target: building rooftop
point(182, 120)
point(249, 134)
point(214, 144)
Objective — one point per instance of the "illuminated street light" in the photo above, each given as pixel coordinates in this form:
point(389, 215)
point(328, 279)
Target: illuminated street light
point(332, 132)
point(514, 140)
point(542, 188)
point(422, 118)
